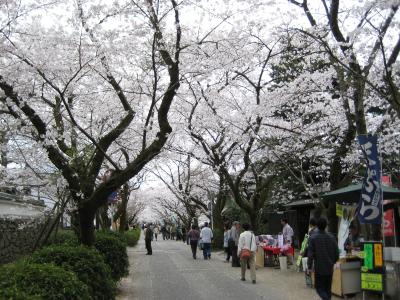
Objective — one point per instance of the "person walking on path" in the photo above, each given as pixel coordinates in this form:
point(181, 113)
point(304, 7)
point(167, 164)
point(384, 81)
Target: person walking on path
point(226, 245)
point(148, 236)
point(323, 252)
point(233, 241)
point(156, 232)
point(206, 235)
point(194, 236)
point(247, 251)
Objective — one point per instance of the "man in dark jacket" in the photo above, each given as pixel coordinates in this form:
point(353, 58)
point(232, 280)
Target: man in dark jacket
point(233, 240)
point(323, 252)
point(148, 236)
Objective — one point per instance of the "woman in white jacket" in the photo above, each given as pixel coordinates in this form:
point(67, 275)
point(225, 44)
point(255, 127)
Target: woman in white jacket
point(247, 251)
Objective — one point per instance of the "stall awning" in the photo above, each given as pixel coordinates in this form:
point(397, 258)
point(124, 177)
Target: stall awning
point(304, 202)
point(351, 194)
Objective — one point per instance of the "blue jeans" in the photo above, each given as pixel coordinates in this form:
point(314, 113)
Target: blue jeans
point(207, 250)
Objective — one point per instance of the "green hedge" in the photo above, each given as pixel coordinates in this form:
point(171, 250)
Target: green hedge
point(114, 252)
point(63, 236)
point(112, 245)
point(132, 236)
point(86, 263)
point(13, 293)
point(39, 281)
point(115, 234)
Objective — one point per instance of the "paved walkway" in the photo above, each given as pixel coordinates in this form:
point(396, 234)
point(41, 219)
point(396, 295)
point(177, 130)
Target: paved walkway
point(171, 274)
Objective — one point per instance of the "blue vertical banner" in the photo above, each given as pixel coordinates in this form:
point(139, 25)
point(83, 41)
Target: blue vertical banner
point(370, 205)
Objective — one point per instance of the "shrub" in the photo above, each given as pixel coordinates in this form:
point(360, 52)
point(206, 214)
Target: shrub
point(132, 236)
point(14, 293)
point(114, 253)
point(86, 263)
point(115, 234)
point(63, 237)
point(40, 281)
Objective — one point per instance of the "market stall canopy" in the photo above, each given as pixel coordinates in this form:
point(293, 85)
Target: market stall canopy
point(304, 202)
point(351, 194)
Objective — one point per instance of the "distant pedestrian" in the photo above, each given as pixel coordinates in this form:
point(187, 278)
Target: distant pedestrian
point(172, 232)
point(226, 246)
point(156, 232)
point(168, 232)
point(164, 232)
point(287, 232)
point(323, 252)
point(148, 236)
point(247, 251)
point(184, 234)
point(194, 236)
point(233, 241)
point(206, 235)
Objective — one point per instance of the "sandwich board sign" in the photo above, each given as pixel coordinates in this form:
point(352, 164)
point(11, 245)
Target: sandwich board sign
point(372, 269)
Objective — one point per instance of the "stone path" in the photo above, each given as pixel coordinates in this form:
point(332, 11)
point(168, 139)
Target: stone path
point(172, 274)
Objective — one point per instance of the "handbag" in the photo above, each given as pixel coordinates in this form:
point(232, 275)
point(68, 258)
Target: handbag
point(201, 246)
point(246, 253)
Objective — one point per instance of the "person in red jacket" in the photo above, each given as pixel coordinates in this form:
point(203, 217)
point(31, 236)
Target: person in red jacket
point(193, 237)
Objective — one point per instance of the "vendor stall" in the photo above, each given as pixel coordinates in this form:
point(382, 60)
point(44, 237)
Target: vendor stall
point(348, 277)
point(271, 248)
point(272, 254)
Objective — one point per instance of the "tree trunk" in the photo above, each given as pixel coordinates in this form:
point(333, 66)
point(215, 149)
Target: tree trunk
point(123, 221)
point(86, 226)
point(254, 222)
point(217, 210)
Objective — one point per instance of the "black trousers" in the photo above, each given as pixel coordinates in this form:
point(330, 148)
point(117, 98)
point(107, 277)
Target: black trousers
point(323, 285)
point(148, 247)
point(228, 253)
point(235, 258)
point(193, 245)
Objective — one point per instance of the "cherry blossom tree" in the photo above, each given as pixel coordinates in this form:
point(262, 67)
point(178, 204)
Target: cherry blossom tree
point(61, 82)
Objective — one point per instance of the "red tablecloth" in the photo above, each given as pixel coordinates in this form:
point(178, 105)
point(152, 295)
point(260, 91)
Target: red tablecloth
point(277, 250)
point(273, 250)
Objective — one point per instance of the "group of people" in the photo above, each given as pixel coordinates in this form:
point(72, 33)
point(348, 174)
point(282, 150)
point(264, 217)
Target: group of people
point(151, 232)
point(204, 237)
point(240, 247)
point(172, 232)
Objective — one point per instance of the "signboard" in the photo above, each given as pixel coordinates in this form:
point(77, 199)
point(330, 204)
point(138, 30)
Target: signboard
point(372, 282)
point(370, 205)
point(386, 180)
point(372, 270)
point(339, 210)
point(368, 257)
point(378, 258)
point(388, 228)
